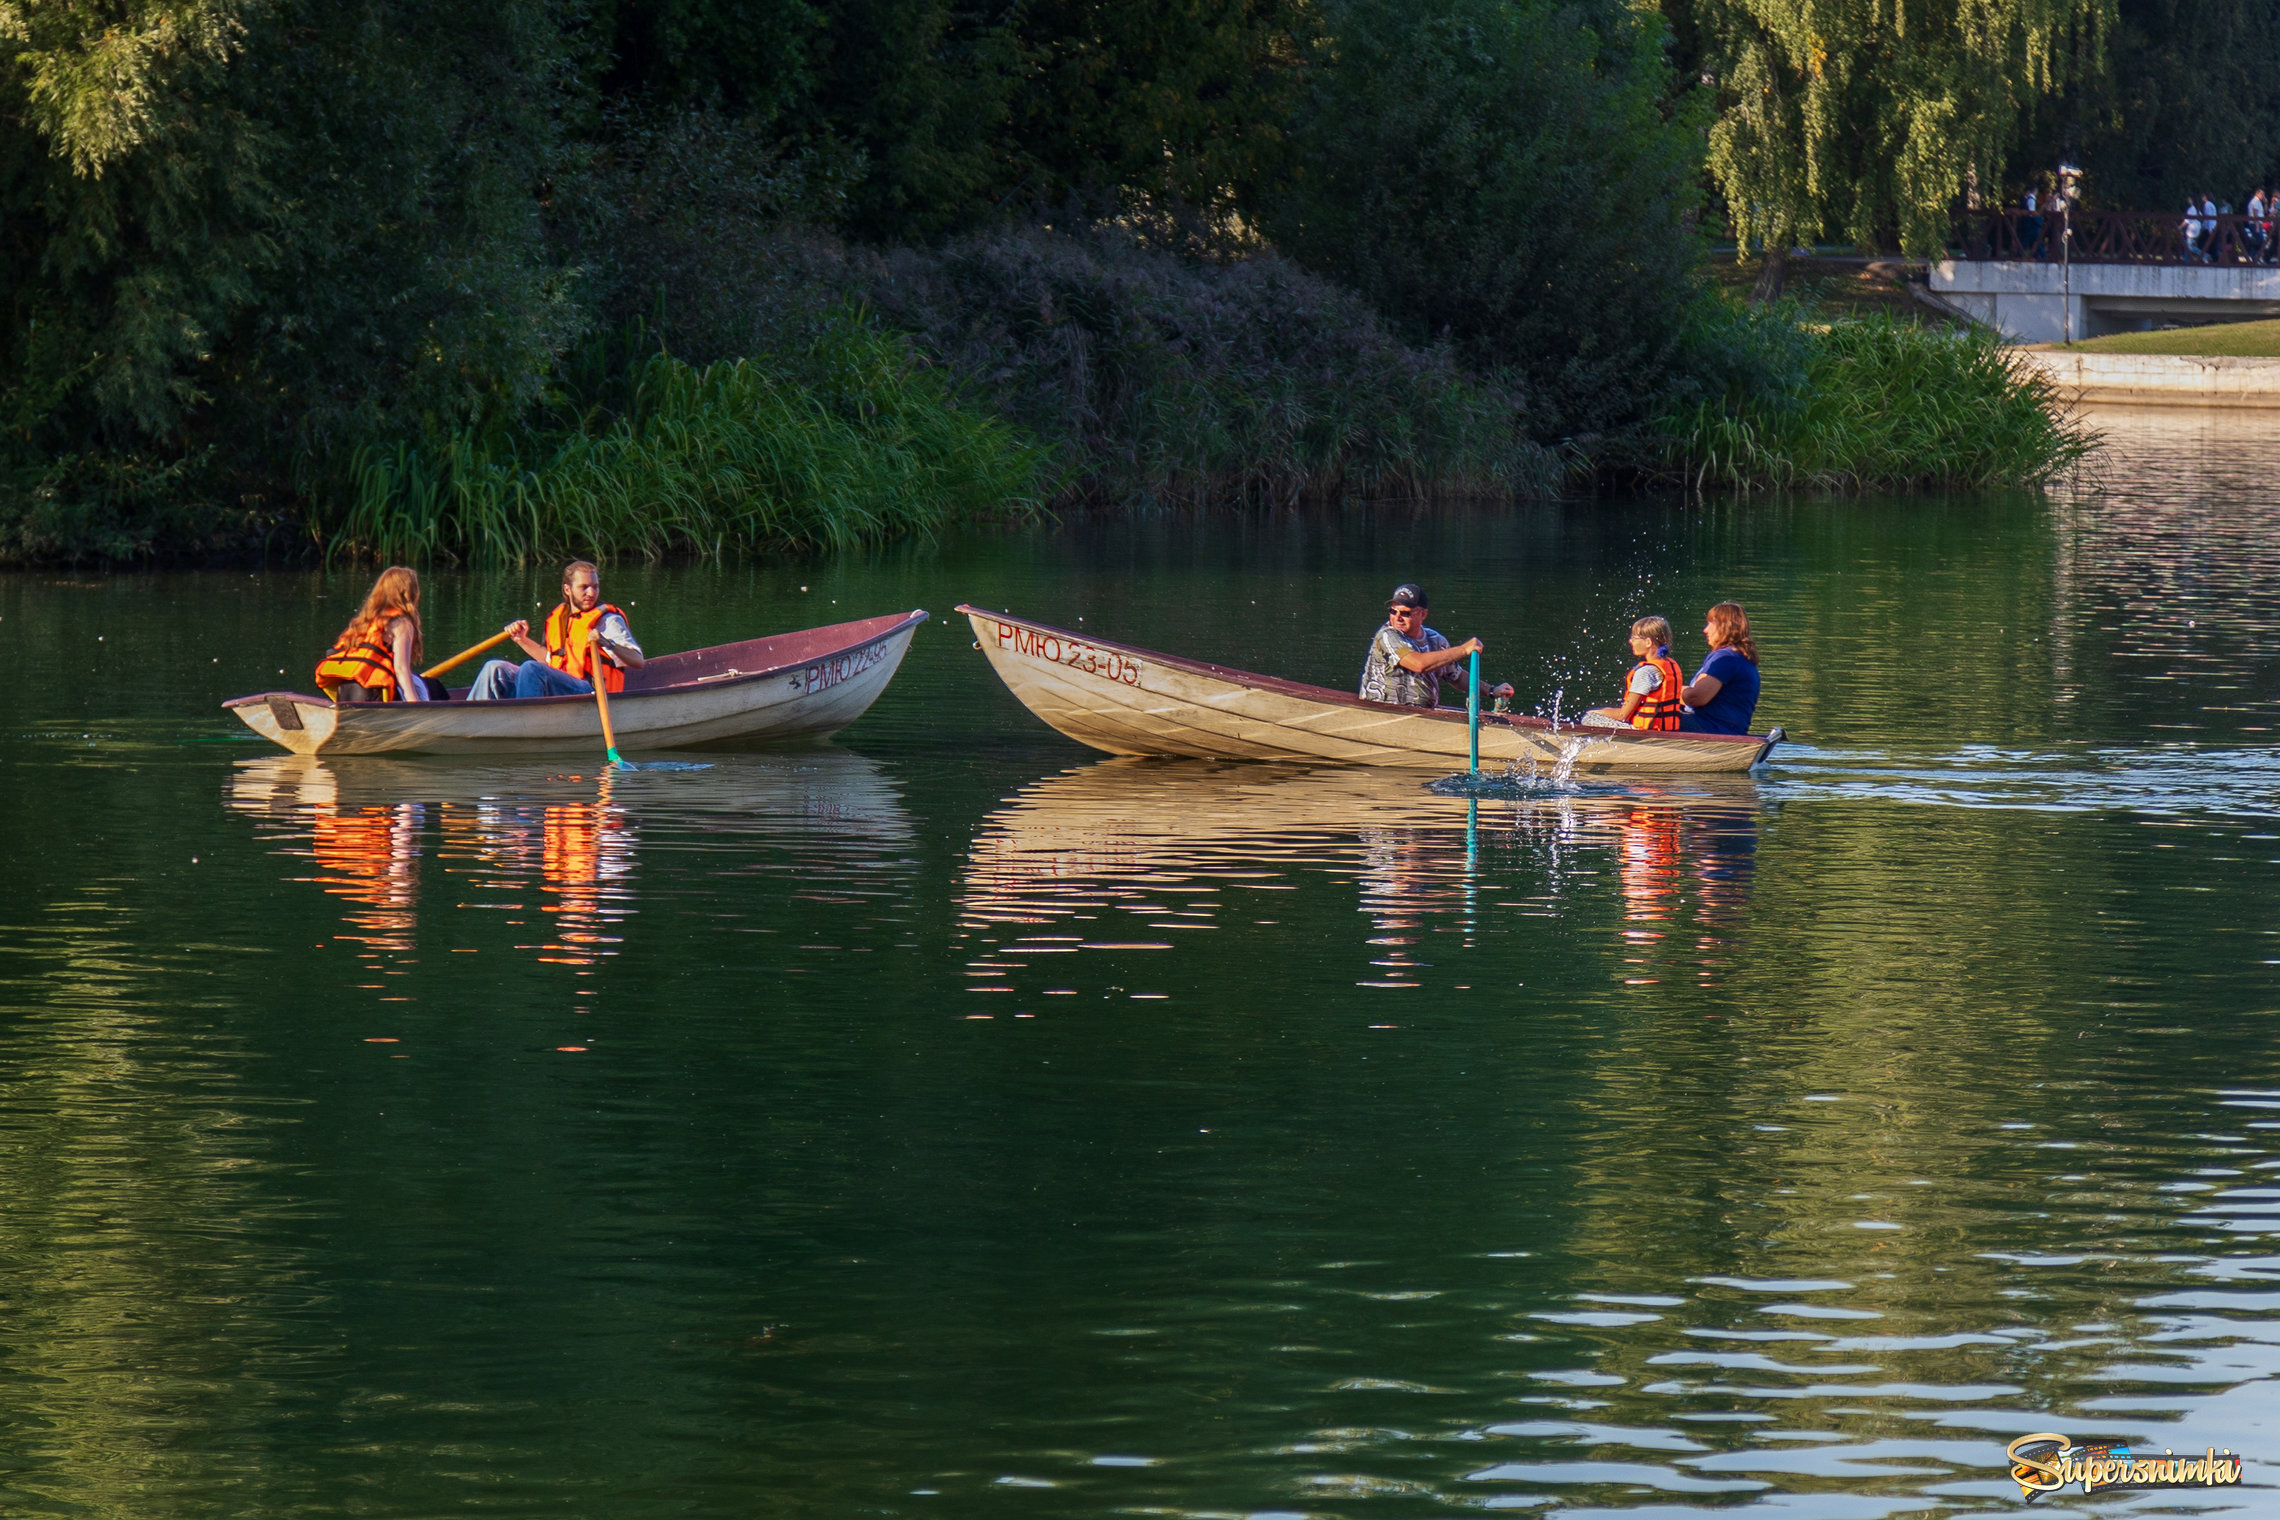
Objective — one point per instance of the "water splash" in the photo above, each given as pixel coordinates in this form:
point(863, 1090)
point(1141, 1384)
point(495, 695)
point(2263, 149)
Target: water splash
point(1520, 779)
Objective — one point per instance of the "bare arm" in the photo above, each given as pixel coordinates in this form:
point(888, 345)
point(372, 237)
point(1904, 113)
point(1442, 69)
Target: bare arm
point(407, 668)
point(521, 631)
point(1630, 707)
point(1433, 659)
point(1703, 690)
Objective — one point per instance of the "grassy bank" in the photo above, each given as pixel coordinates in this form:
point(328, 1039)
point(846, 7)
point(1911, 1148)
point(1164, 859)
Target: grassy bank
point(2222, 340)
point(1852, 404)
point(846, 442)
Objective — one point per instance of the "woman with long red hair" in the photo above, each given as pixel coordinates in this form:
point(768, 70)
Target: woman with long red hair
point(377, 656)
point(1723, 696)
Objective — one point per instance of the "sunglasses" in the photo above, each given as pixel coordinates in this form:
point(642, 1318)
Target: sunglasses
point(1399, 611)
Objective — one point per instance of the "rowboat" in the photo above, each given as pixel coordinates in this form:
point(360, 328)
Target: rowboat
point(783, 688)
point(1132, 701)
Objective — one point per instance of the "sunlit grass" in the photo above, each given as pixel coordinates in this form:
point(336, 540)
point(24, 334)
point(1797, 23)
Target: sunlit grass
point(2222, 340)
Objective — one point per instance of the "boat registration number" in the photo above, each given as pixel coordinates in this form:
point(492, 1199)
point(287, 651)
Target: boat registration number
point(1110, 664)
point(842, 667)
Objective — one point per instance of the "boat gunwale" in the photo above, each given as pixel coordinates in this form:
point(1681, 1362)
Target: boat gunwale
point(1290, 688)
point(909, 619)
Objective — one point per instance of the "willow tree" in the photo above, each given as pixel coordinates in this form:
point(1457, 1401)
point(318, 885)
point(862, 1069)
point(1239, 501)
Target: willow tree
point(1871, 119)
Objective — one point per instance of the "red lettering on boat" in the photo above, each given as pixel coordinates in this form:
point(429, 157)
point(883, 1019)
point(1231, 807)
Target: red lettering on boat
point(843, 667)
point(1093, 660)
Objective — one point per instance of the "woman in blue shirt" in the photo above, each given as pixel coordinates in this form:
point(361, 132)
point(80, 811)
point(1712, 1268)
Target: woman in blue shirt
point(1722, 697)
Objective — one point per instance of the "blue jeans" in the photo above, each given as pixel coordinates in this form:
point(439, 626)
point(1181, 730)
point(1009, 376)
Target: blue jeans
point(502, 679)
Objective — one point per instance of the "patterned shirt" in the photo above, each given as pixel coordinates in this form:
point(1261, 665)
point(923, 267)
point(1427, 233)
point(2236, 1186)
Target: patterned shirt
point(1384, 679)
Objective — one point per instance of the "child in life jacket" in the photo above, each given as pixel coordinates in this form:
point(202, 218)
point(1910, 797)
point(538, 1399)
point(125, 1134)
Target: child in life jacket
point(1651, 691)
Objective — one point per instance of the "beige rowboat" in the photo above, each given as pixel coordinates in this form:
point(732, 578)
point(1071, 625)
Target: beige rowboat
point(786, 688)
point(1131, 701)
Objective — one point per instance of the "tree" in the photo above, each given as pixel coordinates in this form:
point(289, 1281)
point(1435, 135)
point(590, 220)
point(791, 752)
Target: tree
point(1504, 174)
point(1872, 118)
point(1177, 104)
point(2190, 102)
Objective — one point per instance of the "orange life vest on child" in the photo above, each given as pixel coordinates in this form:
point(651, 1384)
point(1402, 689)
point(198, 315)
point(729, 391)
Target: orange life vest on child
point(363, 657)
point(1659, 708)
point(569, 644)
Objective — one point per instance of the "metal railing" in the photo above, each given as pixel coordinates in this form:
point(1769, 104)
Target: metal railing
point(2117, 237)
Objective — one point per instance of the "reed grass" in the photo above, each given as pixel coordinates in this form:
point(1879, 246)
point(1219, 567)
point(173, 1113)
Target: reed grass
point(1874, 403)
point(848, 442)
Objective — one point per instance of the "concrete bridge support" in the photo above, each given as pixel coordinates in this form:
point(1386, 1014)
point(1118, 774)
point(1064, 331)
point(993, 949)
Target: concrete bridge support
point(2027, 301)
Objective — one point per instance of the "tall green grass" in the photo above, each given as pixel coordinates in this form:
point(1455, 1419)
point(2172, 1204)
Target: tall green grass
point(847, 442)
point(1859, 404)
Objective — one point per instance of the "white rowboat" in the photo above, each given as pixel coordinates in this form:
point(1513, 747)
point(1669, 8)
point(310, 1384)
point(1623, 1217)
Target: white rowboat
point(1132, 701)
point(784, 688)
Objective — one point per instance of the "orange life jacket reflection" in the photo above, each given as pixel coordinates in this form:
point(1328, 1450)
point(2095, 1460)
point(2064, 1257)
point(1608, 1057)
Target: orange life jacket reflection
point(1659, 708)
point(363, 657)
point(569, 646)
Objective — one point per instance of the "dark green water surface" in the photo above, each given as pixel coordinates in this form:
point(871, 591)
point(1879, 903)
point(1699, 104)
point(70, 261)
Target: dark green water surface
point(950, 1121)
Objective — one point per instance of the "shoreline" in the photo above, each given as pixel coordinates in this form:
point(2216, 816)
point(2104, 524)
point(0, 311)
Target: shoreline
point(2185, 380)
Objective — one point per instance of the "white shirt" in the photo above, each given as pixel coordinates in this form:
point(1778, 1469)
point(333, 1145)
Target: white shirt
point(614, 629)
point(1645, 681)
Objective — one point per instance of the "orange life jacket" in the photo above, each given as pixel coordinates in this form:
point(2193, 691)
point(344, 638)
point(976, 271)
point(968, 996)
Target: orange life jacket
point(569, 644)
point(363, 657)
point(1659, 708)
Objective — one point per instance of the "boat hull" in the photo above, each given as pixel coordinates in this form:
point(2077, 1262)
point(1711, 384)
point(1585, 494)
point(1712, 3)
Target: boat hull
point(790, 688)
point(1130, 701)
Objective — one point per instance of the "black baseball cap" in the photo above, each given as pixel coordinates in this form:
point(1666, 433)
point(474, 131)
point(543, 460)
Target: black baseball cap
point(1408, 594)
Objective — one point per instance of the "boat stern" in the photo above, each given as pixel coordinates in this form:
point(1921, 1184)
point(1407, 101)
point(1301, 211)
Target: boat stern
point(302, 724)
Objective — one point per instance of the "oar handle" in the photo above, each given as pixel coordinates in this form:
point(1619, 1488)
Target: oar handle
point(465, 655)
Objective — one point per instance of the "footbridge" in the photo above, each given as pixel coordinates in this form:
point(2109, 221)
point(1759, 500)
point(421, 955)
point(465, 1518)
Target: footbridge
point(2120, 271)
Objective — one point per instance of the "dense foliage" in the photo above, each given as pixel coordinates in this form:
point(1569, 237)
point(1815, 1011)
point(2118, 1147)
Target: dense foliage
point(269, 261)
point(1870, 121)
point(1501, 173)
point(2189, 104)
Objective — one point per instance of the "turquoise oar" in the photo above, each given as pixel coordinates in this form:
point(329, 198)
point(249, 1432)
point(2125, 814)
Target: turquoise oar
point(1472, 712)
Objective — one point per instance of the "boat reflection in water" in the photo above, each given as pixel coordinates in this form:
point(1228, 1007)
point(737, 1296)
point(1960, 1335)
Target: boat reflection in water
point(1136, 854)
point(548, 845)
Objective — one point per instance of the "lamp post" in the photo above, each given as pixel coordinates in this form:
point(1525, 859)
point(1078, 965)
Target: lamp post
point(2068, 177)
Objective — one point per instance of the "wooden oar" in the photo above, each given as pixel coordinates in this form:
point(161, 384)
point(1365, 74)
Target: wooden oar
point(465, 655)
point(602, 698)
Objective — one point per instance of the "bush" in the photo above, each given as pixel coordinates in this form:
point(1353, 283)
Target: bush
point(1860, 403)
point(845, 443)
point(1150, 377)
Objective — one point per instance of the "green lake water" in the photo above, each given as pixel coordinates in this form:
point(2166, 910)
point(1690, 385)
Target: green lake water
point(951, 1121)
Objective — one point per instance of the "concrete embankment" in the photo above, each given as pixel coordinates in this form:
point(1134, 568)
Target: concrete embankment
point(2160, 379)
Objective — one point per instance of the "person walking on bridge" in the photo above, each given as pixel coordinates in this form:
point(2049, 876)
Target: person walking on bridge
point(564, 666)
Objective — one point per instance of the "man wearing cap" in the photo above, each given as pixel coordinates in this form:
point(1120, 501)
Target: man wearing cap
point(1408, 661)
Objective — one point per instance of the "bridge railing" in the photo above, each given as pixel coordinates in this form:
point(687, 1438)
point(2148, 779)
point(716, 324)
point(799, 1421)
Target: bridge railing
point(2118, 237)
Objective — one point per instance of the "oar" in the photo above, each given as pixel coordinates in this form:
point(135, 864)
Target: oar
point(464, 655)
point(602, 699)
point(1472, 711)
